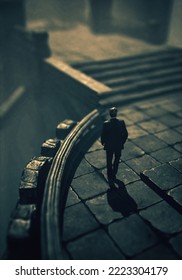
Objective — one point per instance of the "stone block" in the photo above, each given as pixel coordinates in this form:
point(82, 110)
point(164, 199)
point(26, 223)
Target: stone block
point(125, 174)
point(165, 177)
point(178, 147)
point(176, 194)
point(89, 185)
point(50, 147)
point(64, 128)
point(177, 164)
point(142, 163)
point(77, 221)
point(149, 143)
point(176, 243)
point(142, 194)
point(101, 209)
point(72, 198)
point(131, 151)
point(97, 159)
point(163, 217)
point(170, 120)
point(96, 146)
point(166, 154)
point(132, 235)
point(94, 246)
point(83, 169)
point(137, 116)
point(153, 126)
point(159, 252)
point(169, 136)
point(134, 132)
point(156, 111)
point(179, 128)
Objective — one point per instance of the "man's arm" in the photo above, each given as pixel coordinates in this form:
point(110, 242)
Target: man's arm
point(103, 135)
point(124, 132)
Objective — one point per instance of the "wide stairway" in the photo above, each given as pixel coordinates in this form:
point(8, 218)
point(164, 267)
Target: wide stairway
point(136, 77)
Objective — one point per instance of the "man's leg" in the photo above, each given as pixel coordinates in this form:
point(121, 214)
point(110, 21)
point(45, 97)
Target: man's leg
point(116, 162)
point(109, 157)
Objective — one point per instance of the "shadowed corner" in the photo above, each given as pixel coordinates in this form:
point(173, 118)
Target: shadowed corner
point(119, 199)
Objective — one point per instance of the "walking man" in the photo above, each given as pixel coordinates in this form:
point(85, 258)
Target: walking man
point(114, 135)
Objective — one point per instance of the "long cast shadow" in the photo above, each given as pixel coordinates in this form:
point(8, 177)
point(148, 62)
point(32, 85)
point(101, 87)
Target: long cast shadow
point(119, 199)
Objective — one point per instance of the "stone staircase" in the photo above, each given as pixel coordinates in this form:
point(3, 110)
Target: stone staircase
point(136, 77)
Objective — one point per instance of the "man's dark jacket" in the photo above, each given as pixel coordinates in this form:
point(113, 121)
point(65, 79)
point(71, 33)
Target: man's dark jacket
point(114, 135)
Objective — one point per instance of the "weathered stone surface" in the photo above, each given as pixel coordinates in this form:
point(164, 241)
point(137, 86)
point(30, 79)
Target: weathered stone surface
point(131, 151)
point(137, 116)
point(178, 147)
point(19, 229)
point(169, 136)
point(177, 164)
point(97, 159)
point(159, 252)
point(23, 211)
point(72, 198)
point(64, 128)
point(132, 235)
point(164, 176)
point(100, 207)
point(176, 243)
point(134, 132)
point(142, 194)
point(83, 168)
point(163, 217)
point(124, 174)
point(50, 147)
point(166, 154)
point(179, 128)
point(171, 106)
point(176, 194)
point(142, 163)
point(149, 143)
point(94, 246)
point(77, 221)
point(155, 111)
point(153, 126)
point(89, 185)
point(170, 120)
point(96, 146)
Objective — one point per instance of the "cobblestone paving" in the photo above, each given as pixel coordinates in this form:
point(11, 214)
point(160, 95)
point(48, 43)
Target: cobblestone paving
point(139, 217)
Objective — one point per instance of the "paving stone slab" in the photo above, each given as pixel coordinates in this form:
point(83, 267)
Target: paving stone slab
point(149, 143)
point(94, 246)
point(142, 163)
point(163, 217)
point(101, 209)
point(131, 151)
point(159, 252)
point(178, 147)
point(169, 136)
point(177, 164)
point(171, 107)
point(176, 194)
point(97, 159)
point(164, 176)
point(134, 132)
point(166, 154)
point(170, 120)
point(126, 120)
point(142, 194)
point(176, 243)
point(132, 235)
point(77, 221)
point(72, 198)
point(153, 126)
point(83, 168)
point(179, 128)
point(96, 146)
point(89, 185)
point(179, 113)
point(124, 174)
point(155, 111)
point(137, 116)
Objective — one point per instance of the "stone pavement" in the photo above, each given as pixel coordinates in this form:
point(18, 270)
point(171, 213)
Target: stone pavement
point(139, 217)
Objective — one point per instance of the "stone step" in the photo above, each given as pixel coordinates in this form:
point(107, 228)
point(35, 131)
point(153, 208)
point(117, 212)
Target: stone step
point(96, 66)
point(119, 98)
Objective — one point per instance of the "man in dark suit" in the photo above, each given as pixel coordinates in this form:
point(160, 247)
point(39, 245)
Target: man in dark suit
point(114, 135)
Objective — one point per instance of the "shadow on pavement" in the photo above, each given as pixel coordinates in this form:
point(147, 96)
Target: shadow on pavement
point(119, 199)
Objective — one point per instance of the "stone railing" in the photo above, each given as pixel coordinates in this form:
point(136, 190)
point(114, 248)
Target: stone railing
point(35, 228)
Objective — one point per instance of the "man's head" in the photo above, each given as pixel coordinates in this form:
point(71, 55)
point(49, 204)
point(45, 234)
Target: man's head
point(113, 112)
